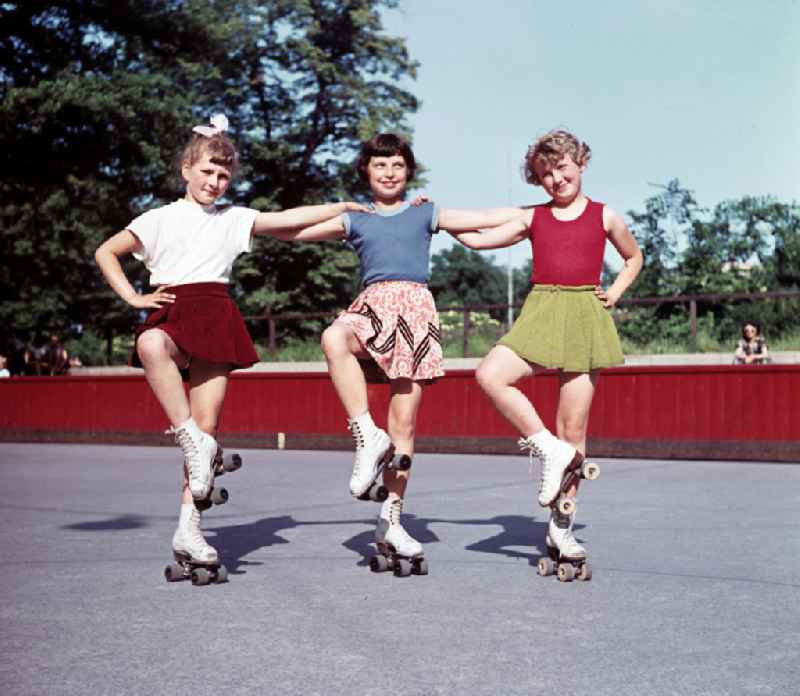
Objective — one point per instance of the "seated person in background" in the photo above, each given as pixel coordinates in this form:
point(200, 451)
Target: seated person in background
point(55, 358)
point(4, 367)
point(752, 348)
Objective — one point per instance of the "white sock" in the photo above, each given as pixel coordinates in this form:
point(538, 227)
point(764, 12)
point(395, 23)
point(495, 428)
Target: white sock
point(542, 439)
point(191, 425)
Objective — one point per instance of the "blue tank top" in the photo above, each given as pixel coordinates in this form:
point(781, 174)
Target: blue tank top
point(393, 245)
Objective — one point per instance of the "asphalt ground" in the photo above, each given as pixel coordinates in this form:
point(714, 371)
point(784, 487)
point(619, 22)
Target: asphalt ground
point(695, 588)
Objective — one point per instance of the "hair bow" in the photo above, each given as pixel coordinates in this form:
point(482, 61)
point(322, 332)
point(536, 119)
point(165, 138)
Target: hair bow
point(219, 124)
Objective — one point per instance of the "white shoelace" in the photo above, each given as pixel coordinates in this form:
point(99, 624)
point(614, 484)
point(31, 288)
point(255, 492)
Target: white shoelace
point(189, 448)
point(534, 452)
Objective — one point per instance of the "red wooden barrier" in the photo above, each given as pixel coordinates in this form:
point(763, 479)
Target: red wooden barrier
point(706, 412)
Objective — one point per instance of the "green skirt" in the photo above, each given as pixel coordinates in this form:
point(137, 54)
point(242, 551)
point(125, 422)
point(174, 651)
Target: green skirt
point(565, 327)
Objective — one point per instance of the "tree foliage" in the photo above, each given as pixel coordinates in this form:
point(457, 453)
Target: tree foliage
point(98, 97)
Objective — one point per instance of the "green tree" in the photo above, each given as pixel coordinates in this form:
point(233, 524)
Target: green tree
point(98, 96)
point(461, 276)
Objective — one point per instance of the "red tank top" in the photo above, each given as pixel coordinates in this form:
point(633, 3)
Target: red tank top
point(568, 252)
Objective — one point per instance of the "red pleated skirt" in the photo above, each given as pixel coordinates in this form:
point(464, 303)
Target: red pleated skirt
point(205, 323)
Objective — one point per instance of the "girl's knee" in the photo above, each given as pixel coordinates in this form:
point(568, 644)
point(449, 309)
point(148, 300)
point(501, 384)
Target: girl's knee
point(151, 346)
point(333, 340)
point(487, 377)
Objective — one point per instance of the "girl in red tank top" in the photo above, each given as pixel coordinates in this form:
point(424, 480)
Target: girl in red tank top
point(564, 325)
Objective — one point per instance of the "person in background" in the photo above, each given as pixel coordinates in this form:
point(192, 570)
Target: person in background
point(752, 348)
point(54, 357)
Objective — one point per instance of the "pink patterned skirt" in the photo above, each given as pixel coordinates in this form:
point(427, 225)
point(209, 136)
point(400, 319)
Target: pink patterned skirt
point(397, 323)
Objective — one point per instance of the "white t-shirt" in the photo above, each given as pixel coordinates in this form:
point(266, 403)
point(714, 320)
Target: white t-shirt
point(185, 242)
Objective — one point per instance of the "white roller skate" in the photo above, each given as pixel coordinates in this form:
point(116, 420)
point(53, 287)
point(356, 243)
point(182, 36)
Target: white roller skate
point(397, 549)
point(562, 466)
point(194, 557)
point(374, 451)
point(565, 556)
point(199, 451)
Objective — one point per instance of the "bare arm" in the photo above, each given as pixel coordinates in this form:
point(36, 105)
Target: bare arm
point(330, 229)
point(298, 218)
point(455, 220)
point(625, 243)
point(505, 234)
point(107, 257)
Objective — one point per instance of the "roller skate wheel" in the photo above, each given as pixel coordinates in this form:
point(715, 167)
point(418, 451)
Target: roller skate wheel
point(378, 493)
point(591, 471)
point(218, 496)
point(566, 505)
point(232, 462)
point(546, 567)
point(402, 568)
point(403, 464)
point(585, 572)
point(566, 572)
point(201, 576)
point(379, 564)
point(221, 575)
point(174, 572)
point(421, 567)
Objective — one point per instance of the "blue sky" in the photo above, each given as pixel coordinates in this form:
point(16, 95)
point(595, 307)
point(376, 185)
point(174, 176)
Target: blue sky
point(706, 91)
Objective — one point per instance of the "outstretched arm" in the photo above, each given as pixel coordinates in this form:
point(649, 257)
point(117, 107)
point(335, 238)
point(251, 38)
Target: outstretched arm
point(305, 216)
point(329, 229)
point(510, 226)
point(107, 257)
point(494, 237)
point(625, 243)
point(455, 220)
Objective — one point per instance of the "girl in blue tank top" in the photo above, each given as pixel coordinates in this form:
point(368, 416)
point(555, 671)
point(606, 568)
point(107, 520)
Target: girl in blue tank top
point(393, 327)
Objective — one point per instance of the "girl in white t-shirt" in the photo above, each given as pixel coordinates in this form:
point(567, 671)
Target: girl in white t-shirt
point(189, 247)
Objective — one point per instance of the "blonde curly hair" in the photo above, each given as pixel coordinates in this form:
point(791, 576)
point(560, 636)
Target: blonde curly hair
point(551, 148)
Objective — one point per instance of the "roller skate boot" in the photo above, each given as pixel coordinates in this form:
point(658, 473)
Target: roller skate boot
point(194, 558)
point(561, 467)
point(374, 451)
point(199, 451)
point(398, 551)
point(565, 555)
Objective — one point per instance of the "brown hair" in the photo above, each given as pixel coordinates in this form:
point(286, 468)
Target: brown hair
point(386, 145)
point(220, 147)
point(551, 148)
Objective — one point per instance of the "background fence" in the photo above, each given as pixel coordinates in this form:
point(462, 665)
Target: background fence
point(466, 326)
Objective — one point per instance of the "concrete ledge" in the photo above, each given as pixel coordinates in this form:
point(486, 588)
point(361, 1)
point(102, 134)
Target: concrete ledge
point(779, 358)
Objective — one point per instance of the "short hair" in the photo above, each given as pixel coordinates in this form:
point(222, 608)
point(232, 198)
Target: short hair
point(220, 147)
point(551, 148)
point(386, 145)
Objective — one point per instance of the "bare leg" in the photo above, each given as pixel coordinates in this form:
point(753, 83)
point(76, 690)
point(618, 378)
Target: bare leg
point(160, 358)
point(574, 402)
point(403, 408)
point(496, 374)
point(342, 349)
